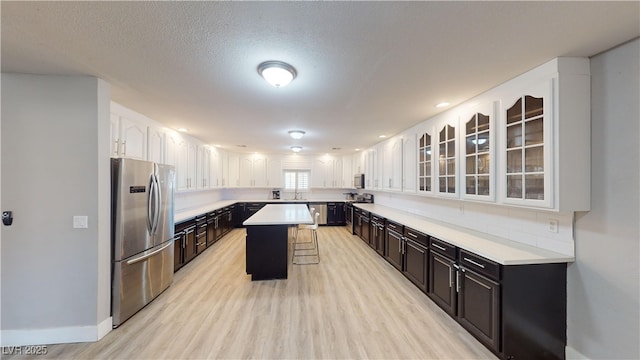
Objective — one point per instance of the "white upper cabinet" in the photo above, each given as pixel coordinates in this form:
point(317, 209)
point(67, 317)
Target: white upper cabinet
point(253, 170)
point(391, 167)
point(172, 141)
point(426, 153)
point(128, 137)
point(545, 149)
point(347, 172)
point(372, 169)
point(446, 151)
point(409, 162)
point(233, 170)
point(186, 173)
point(337, 173)
point(215, 168)
point(326, 172)
point(203, 167)
point(477, 158)
point(156, 145)
point(527, 147)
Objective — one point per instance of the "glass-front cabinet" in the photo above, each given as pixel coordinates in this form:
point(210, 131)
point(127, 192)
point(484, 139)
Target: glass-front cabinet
point(478, 149)
point(447, 164)
point(527, 147)
point(524, 143)
point(425, 162)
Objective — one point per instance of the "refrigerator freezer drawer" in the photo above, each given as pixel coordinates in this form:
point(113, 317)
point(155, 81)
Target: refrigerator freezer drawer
point(138, 279)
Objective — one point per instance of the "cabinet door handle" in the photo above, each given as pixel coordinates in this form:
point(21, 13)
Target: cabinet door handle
point(412, 235)
point(457, 281)
point(117, 143)
point(474, 263)
point(438, 247)
point(124, 148)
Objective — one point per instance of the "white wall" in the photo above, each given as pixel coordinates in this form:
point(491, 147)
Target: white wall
point(55, 164)
point(603, 283)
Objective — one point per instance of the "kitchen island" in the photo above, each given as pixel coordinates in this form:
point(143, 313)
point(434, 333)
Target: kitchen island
point(267, 241)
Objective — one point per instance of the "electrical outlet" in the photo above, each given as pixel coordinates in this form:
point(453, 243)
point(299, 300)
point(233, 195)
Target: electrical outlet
point(553, 225)
point(461, 208)
point(80, 222)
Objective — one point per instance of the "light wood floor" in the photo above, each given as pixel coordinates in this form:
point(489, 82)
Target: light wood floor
point(353, 305)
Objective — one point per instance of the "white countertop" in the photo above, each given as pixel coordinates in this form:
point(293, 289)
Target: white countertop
point(500, 250)
point(281, 214)
point(181, 216)
point(192, 213)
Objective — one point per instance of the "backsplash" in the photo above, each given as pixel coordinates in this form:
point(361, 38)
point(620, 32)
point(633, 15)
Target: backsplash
point(194, 199)
point(188, 200)
point(265, 194)
point(521, 225)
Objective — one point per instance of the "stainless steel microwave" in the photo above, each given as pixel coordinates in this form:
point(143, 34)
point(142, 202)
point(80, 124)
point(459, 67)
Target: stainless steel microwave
point(358, 181)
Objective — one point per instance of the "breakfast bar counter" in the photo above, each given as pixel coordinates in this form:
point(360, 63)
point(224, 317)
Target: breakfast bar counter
point(267, 239)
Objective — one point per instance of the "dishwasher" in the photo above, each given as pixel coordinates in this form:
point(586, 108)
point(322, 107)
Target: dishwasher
point(321, 208)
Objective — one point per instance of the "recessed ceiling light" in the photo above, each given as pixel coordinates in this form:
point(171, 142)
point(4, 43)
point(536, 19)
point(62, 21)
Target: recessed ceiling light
point(296, 134)
point(442, 104)
point(277, 73)
point(382, 136)
point(357, 149)
point(296, 148)
point(182, 130)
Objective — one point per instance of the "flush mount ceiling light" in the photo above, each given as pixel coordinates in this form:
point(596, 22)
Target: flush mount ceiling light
point(277, 73)
point(442, 104)
point(296, 134)
point(296, 148)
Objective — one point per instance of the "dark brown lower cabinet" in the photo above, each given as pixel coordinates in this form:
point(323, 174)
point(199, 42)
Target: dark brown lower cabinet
point(364, 229)
point(442, 289)
point(415, 257)
point(211, 228)
point(376, 234)
point(479, 307)
point(394, 244)
point(201, 234)
point(516, 311)
point(184, 243)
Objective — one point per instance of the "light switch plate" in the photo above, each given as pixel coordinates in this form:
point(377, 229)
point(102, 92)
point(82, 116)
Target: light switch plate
point(80, 222)
point(553, 225)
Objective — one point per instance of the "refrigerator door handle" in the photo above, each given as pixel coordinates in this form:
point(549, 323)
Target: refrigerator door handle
point(158, 200)
point(144, 257)
point(150, 199)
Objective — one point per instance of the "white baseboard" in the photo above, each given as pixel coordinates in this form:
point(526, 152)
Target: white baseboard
point(105, 327)
point(55, 335)
point(573, 354)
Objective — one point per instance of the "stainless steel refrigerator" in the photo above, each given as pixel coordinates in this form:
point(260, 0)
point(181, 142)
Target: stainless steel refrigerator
point(141, 234)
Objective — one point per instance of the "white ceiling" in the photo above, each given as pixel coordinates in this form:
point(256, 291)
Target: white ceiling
point(364, 68)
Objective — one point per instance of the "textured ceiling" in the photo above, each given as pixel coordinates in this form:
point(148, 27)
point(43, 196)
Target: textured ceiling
point(364, 68)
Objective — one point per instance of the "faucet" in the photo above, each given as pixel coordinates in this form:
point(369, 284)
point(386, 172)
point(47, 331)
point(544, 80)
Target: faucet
point(296, 195)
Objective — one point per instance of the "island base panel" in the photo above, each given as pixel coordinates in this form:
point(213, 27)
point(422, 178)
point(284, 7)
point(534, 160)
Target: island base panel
point(267, 251)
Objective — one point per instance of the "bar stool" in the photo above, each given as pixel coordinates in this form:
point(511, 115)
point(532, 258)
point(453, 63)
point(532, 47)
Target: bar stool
point(312, 211)
point(314, 250)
